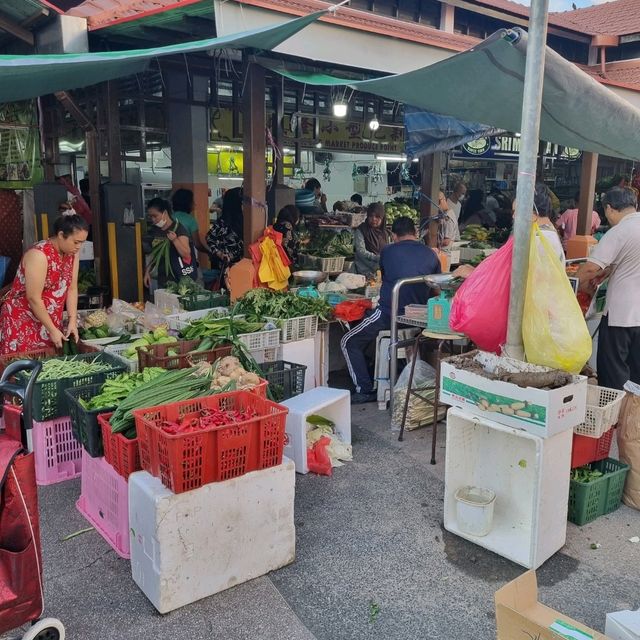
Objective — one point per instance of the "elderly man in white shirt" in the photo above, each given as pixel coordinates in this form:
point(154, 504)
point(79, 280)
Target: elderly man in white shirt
point(617, 256)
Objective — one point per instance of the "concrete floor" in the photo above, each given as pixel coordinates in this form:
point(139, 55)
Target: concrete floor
point(373, 561)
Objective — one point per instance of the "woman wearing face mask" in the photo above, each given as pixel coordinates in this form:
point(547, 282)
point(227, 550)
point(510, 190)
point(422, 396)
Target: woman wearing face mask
point(369, 239)
point(182, 253)
point(46, 283)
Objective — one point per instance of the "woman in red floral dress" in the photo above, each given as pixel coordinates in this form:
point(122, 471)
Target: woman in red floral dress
point(47, 280)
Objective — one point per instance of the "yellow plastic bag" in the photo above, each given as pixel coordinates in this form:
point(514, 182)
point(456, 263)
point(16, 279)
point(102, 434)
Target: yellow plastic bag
point(554, 331)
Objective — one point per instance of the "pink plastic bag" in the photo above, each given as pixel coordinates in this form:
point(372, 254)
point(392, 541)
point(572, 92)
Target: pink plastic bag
point(480, 307)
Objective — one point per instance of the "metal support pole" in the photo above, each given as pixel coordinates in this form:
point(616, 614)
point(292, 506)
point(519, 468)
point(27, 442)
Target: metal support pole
point(531, 107)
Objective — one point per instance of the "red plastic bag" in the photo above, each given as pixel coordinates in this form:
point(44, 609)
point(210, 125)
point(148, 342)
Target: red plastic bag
point(480, 307)
point(352, 310)
point(318, 459)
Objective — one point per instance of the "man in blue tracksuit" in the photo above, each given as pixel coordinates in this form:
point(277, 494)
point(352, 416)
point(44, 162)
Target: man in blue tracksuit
point(405, 258)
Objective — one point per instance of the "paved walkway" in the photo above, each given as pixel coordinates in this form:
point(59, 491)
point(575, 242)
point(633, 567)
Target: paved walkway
point(373, 561)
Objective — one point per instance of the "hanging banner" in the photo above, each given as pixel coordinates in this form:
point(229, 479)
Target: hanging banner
point(20, 166)
point(507, 147)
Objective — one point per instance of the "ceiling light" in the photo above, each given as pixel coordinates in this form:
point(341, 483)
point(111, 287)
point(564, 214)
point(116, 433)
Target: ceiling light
point(374, 125)
point(392, 158)
point(318, 145)
point(339, 109)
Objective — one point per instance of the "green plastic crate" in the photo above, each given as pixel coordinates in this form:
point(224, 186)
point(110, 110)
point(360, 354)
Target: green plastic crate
point(84, 422)
point(49, 398)
point(204, 300)
point(590, 500)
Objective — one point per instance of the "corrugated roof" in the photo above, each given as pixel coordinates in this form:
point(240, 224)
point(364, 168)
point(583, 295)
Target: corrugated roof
point(101, 13)
point(617, 18)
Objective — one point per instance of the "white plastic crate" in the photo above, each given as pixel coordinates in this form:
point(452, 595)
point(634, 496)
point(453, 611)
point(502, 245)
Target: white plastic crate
point(302, 352)
point(118, 350)
point(328, 265)
point(260, 339)
point(100, 343)
point(333, 404)
point(603, 409)
point(530, 476)
point(167, 303)
point(266, 355)
point(242, 529)
point(178, 321)
point(104, 499)
point(294, 329)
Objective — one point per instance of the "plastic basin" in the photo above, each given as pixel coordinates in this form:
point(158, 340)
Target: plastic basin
point(474, 509)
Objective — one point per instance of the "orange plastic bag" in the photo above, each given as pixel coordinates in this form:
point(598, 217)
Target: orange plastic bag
point(480, 308)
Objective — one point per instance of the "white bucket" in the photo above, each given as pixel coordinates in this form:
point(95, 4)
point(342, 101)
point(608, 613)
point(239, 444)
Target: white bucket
point(474, 510)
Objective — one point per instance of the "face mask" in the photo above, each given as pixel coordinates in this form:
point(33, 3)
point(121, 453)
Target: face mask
point(160, 223)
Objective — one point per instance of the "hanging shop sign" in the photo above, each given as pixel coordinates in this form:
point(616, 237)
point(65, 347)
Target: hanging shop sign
point(20, 166)
point(508, 148)
point(336, 135)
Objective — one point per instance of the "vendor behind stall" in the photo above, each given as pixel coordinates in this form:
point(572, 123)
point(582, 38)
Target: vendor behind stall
point(46, 282)
point(286, 224)
point(173, 254)
point(405, 258)
point(369, 239)
point(617, 256)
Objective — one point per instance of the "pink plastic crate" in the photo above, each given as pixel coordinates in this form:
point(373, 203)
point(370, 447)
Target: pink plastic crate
point(58, 454)
point(104, 502)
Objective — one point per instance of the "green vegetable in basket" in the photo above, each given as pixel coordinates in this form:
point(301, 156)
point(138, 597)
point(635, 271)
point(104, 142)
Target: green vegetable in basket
point(259, 304)
point(70, 367)
point(115, 391)
point(168, 387)
point(585, 474)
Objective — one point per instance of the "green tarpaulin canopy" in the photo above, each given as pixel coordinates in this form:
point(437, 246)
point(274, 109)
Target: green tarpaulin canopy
point(485, 84)
point(23, 77)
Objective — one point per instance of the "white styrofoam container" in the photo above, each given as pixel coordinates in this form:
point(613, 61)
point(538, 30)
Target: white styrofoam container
point(333, 404)
point(302, 352)
point(550, 412)
point(529, 475)
point(467, 253)
point(623, 625)
point(188, 546)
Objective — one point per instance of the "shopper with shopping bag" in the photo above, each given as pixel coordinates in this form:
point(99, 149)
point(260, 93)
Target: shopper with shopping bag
point(617, 256)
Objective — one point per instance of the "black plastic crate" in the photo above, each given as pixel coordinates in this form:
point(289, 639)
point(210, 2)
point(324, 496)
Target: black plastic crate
point(84, 422)
point(286, 379)
point(49, 398)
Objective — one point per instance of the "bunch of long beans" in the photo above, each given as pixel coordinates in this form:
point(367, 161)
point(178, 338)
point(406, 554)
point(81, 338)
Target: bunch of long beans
point(160, 254)
point(70, 367)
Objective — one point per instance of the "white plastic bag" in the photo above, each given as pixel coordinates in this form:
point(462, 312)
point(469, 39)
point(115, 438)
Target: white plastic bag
point(419, 412)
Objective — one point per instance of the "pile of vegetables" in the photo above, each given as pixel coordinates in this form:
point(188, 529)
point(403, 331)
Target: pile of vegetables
point(165, 388)
point(206, 419)
point(330, 244)
point(258, 304)
point(160, 335)
point(185, 287)
point(214, 327)
point(86, 280)
point(161, 255)
point(477, 233)
point(229, 375)
point(585, 474)
point(114, 391)
point(70, 367)
point(399, 208)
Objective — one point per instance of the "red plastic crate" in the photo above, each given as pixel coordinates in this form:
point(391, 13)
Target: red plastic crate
point(104, 502)
point(587, 450)
point(187, 461)
point(120, 452)
point(58, 455)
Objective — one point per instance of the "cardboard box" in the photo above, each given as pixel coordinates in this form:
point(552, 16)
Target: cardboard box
point(623, 625)
point(519, 615)
point(538, 411)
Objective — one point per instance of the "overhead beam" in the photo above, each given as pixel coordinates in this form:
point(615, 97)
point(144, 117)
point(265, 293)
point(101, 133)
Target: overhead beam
point(15, 29)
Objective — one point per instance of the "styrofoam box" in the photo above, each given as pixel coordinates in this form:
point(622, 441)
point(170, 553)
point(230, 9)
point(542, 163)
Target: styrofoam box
point(191, 545)
point(530, 476)
point(550, 411)
point(623, 625)
point(333, 404)
point(468, 253)
point(302, 352)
